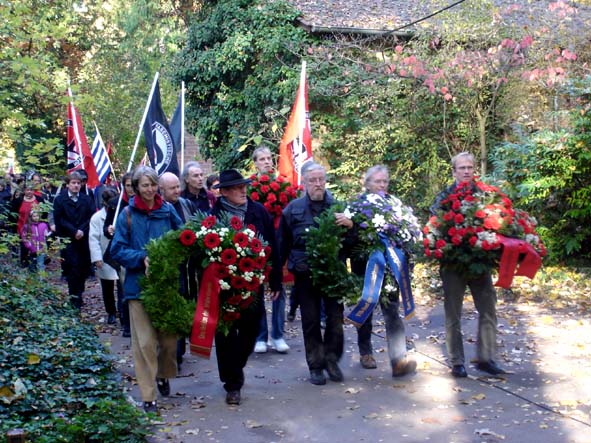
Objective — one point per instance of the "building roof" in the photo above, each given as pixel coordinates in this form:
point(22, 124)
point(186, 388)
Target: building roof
point(393, 14)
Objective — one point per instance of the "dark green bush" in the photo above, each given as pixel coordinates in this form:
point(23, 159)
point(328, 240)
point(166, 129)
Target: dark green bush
point(56, 381)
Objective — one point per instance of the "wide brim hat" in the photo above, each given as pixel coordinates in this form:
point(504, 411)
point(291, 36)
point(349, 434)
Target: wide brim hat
point(231, 177)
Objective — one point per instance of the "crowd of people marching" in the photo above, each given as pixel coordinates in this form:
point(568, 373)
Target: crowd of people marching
point(107, 233)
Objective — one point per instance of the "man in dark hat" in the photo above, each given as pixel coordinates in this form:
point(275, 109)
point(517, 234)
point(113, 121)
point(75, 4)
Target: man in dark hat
point(233, 350)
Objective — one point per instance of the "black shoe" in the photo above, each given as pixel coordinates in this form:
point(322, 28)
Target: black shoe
point(459, 371)
point(151, 407)
point(334, 372)
point(233, 398)
point(126, 333)
point(163, 386)
point(491, 367)
point(111, 319)
point(317, 377)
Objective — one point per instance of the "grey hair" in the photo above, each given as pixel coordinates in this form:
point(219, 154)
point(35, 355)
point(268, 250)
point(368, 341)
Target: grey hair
point(373, 171)
point(185, 173)
point(258, 151)
point(143, 171)
point(310, 167)
point(73, 176)
point(457, 157)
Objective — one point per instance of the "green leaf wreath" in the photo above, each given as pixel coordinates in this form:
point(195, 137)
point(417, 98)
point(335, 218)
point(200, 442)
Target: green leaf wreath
point(241, 257)
point(324, 244)
point(168, 310)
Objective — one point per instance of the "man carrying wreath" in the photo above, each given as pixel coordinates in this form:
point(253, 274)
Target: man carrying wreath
point(481, 287)
point(233, 349)
point(322, 352)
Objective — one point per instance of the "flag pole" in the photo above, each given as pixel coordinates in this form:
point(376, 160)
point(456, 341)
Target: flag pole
point(182, 125)
point(135, 145)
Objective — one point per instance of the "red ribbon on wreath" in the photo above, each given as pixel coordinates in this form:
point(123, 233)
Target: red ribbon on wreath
point(206, 313)
point(518, 258)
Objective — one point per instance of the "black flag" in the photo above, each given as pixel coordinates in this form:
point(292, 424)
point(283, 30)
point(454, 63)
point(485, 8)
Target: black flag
point(159, 143)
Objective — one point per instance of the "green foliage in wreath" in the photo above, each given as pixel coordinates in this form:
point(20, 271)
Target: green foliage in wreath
point(323, 248)
point(168, 310)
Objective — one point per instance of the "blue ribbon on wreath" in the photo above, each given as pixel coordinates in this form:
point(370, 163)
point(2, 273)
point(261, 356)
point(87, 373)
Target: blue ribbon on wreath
point(397, 263)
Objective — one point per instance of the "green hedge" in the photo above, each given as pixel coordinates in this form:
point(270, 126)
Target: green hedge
point(56, 380)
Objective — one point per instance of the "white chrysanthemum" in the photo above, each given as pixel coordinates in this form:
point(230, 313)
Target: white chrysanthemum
point(378, 220)
point(389, 288)
point(373, 198)
point(348, 213)
point(223, 285)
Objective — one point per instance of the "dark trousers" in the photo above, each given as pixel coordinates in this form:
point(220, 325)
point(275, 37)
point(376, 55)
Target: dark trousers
point(319, 348)
point(232, 350)
point(108, 290)
point(77, 268)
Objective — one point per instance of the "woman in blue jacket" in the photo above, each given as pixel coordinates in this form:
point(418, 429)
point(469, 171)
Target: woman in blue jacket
point(146, 217)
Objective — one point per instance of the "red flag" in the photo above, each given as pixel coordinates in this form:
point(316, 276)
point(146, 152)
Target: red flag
point(296, 145)
point(79, 156)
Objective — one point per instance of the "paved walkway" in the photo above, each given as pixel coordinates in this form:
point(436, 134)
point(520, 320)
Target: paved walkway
point(546, 398)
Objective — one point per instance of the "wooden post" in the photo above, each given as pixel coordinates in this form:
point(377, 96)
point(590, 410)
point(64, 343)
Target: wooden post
point(15, 436)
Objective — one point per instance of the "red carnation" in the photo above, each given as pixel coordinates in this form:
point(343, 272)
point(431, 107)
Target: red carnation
point(251, 227)
point(456, 205)
point(253, 177)
point(480, 214)
point(279, 179)
point(211, 240)
point(254, 183)
point(228, 256)
point(187, 237)
point(283, 198)
point(254, 196)
point(256, 245)
point(246, 264)
point(221, 272)
point(456, 240)
point(209, 221)
point(438, 253)
point(238, 282)
point(253, 285)
point(236, 223)
point(264, 178)
point(426, 242)
point(449, 216)
point(235, 300)
point(268, 206)
point(260, 262)
point(452, 231)
point(440, 243)
point(473, 240)
point(271, 198)
point(267, 251)
point(459, 218)
point(274, 186)
point(265, 189)
point(231, 316)
point(246, 302)
point(241, 239)
point(428, 252)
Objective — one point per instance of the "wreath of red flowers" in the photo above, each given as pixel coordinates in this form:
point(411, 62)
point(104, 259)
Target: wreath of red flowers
point(243, 264)
point(465, 232)
point(273, 193)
